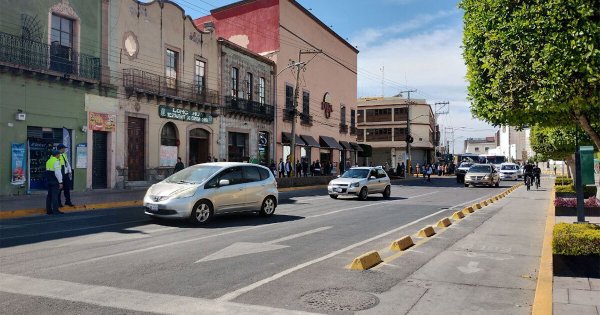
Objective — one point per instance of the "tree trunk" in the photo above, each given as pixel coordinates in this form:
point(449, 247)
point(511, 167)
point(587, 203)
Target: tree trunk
point(584, 122)
point(570, 161)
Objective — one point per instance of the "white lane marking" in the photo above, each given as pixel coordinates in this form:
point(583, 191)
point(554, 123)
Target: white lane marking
point(470, 268)
point(135, 251)
point(245, 248)
point(309, 199)
point(127, 299)
point(370, 205)
point(297, 235)
point(72, 230)
point(234, 294)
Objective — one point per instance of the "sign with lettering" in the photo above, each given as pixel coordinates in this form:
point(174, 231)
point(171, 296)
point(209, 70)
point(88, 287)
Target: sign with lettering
point(165, 111)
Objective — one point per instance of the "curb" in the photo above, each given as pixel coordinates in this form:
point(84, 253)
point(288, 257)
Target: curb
point(29, 212)
point(542, 301)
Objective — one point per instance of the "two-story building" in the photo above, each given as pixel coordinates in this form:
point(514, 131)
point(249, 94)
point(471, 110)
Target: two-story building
point(168, 77)
point(284, 31)
point(52, 58)
point(386, 124)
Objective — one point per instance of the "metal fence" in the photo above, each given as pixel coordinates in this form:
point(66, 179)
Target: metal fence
point(28, 54)
point(242, 106)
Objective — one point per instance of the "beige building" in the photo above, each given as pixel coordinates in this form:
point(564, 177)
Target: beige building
point(167, 76)
point(384, 124)
point(280, 30)
point(480, 145)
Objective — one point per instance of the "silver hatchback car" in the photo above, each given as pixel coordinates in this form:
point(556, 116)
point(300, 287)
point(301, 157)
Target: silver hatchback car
point(361, 181)
point(202, 191)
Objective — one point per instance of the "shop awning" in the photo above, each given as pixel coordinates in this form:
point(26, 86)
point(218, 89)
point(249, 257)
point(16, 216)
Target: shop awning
point(287, 139)
point(346, 145)
point(356, 147)
point(310, 141)
point(329, 142)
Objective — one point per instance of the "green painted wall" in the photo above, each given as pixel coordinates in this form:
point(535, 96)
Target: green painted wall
point(47, 102)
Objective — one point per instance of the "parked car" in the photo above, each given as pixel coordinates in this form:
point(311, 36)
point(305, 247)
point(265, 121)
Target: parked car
point(461, 171)
point(482, 174)
point(361, 181)
point(509, 171)
point(200, 192)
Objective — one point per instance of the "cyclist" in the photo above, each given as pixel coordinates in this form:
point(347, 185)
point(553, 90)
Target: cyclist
point(537, 172)
point(527, 172)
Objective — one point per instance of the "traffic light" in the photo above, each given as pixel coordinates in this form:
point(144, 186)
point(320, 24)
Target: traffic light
point(409, 139)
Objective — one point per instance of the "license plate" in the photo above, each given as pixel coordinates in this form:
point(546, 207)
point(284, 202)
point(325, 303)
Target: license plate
point(153, 207)
point(338, 190)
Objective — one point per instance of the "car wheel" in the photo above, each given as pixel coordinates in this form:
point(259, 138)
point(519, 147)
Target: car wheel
point(364, 193)
point(387, 192)
point(203, 213)
point(268, 207)
point(333, 196)
point(466, 185)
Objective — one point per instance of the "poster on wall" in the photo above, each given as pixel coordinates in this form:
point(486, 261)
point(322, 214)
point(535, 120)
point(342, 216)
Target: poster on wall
point(18, 164)
point(102, 122)
point(82, 155)
point(168, 155)
point(39, 152)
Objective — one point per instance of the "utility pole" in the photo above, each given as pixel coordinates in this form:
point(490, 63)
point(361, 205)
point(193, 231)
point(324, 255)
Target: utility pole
point(408, 135)
point(300, 66)
point(443, 109)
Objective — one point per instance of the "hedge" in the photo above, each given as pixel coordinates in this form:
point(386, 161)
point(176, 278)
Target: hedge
point(587, 190)
point(576, 239)
point(564, 181)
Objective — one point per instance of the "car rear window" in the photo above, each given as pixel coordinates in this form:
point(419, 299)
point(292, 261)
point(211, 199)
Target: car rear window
point(480, 169)
point(251, 174)
point(264, 173)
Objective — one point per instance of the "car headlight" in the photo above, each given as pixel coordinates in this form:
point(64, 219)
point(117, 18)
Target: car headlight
point(357, 184)
point(487, 177)
point(184, 193)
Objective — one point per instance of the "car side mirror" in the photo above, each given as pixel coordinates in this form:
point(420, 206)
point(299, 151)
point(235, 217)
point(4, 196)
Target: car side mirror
point(339, 176)
point(372, 177)
point(224, 182)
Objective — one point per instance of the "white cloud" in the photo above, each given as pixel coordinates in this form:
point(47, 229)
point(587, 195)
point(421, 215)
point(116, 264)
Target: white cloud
point(430, 61)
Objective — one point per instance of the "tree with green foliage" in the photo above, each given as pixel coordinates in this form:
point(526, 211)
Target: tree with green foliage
point(534, 62)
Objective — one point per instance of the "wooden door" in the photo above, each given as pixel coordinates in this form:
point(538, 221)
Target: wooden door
point(99, 159)
point(136, 148)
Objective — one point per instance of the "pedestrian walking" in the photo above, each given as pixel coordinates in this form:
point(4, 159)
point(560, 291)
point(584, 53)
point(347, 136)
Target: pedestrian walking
point(317, 168)
point(179, 165)
point(287, 168)
point(67, 175)
point(305, 167)
point(298, 168)
point(54, 180)
point(273, 168)
point(417, 168)
point(429, 171)
point(281, 168)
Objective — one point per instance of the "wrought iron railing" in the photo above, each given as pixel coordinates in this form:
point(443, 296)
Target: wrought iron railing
point(352, 130)
point(251, 108)
point(37, 56)
point(306, 119)
point(288, 113)
point(151, 83)
point(343, 128)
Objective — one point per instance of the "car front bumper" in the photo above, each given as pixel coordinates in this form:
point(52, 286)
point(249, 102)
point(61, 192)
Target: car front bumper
point(479, 181)
point(341, 190)
point(170, 208)
point(506, 176)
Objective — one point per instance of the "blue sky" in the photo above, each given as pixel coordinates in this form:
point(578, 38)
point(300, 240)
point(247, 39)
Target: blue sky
point(418, 42)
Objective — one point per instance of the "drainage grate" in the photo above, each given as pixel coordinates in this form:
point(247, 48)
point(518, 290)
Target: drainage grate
point(339, 300)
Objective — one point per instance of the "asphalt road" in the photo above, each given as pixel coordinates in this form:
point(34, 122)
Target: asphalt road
point(120, 261)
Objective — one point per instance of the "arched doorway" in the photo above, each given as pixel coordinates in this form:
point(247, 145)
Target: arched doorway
point(199, 146)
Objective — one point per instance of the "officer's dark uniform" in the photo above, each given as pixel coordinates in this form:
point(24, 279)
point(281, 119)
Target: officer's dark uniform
point(52, 165)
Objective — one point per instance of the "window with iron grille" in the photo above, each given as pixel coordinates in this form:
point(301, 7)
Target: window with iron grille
point(352, 118)
point(249, 86)
point(401, 114)
point(379, 134)
point(235, 72)
point(61, 31)
point(168, 135)
point(199, 76)
point(343, 114)
point(379, 114)
point(360, 135)
point(171, 62)
point(261, 90)
point(306, 103)
point(360, 116)
point(399, 134)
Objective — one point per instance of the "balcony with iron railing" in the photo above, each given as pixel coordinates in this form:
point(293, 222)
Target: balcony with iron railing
point(306, 119)
point(288, 113)
point(135, 80)
point(249, 108)
point(343, 128)
point(22, 53)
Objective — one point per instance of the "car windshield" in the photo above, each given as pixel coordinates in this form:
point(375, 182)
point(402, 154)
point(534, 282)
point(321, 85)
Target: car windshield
point(480, 169)
point(356, 173)
point(509, 167)
point(465, 164)
point(193, 175)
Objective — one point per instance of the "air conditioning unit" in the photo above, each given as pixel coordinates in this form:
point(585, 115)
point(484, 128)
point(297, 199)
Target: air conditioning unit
point(20, 116)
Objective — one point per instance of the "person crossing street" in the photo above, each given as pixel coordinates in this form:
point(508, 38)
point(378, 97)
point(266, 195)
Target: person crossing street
point(67, 176)
point(54, 180)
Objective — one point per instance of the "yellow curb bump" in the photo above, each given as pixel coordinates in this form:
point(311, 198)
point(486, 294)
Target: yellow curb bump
point(365, 261)
point(445, 222)
point(427, 231)
point(484, 203)
point(496, 198)
point(458, 215)
point(477, 206)
point(468, 210)
point(490, 201)
point(402, 244)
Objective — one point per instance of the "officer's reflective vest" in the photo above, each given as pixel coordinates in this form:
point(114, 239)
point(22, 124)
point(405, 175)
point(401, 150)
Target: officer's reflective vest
point(50, 176)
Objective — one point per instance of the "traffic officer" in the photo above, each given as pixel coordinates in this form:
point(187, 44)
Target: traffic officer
point(55, 182)
point(67, 173)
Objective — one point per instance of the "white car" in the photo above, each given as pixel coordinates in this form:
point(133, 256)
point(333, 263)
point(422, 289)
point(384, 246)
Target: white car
point(361, 181)
point(509, 171)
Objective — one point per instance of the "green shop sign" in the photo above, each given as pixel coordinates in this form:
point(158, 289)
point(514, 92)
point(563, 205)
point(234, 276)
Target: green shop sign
point(165, 111)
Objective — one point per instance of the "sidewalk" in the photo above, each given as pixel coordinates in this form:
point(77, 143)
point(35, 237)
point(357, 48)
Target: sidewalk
point(486, 263)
